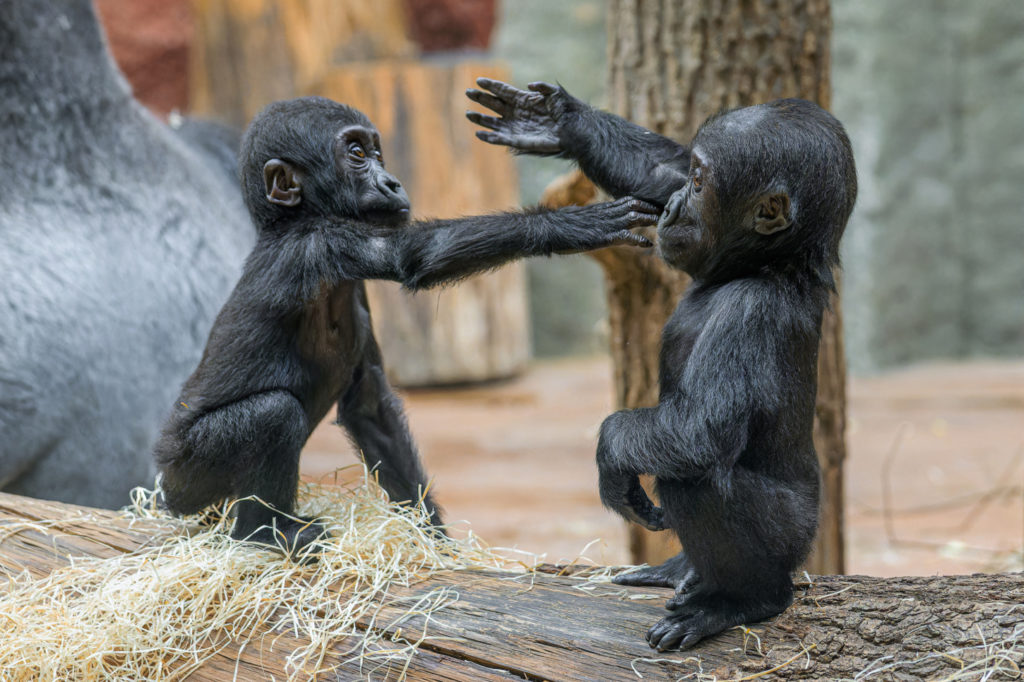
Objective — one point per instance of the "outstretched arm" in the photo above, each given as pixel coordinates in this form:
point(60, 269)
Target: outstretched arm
point(621, 157)
point(428, 253)
point(373, 416)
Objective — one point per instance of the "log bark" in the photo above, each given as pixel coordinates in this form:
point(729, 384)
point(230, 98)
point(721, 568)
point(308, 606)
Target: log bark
point(252, 52)
point(672, 64)
point(543, 626)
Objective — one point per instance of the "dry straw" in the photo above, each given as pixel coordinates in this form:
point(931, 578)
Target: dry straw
point(160, 612)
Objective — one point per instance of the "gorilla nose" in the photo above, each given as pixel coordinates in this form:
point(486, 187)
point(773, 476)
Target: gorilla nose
point(392, 190)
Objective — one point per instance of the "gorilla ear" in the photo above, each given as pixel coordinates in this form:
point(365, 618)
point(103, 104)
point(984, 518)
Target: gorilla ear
point(772, 214)
point(281, 183)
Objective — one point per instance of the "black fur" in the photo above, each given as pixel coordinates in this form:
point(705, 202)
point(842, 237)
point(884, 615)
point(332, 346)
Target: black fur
point(755, 208)
point(295, 335)
point(119, 242)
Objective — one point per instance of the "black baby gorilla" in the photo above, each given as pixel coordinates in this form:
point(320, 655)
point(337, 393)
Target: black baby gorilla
point(295, 335)
point(754, 210)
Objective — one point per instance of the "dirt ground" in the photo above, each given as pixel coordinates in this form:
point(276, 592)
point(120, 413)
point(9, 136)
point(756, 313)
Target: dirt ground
point(934, 478)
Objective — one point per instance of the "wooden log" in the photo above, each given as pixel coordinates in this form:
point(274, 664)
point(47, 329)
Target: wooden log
point(479, 329)
point(248, 53)
point(544, 626)
point(251, 52)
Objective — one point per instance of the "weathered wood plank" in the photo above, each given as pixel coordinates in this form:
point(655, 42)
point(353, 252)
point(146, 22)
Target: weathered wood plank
point(38, 536)
point(542, 626)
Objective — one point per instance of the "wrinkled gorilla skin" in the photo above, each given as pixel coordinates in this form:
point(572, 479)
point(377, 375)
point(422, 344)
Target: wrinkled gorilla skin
point(120, 239)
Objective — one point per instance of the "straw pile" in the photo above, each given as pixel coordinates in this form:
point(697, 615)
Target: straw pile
point(160, 612)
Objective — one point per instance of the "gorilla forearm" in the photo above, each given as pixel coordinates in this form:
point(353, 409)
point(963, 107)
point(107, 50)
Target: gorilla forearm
point(667, 442)
point(430, 253)
point(444, 251)
point(373, 417)
point(623, 158)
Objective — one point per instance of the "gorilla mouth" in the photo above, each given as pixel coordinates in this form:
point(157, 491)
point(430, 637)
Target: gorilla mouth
point(383, 216)
point(680, 228)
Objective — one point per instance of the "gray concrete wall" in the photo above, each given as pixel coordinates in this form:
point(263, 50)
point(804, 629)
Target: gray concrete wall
point(561, 41)
point(932, 93)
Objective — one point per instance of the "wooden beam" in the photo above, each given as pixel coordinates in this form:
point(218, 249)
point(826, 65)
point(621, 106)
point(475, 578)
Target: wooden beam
point(543, 626)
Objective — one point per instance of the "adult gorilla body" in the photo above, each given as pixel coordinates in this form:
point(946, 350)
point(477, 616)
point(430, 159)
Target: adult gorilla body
point(755, 207)
point(119, 241)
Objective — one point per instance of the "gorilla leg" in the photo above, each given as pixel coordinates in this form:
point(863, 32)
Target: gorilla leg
point(249, 448)
point(678, 572)
point(702, 613)
point(742, 546)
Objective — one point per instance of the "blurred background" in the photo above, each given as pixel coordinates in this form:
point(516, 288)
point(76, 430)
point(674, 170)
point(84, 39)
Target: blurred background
point(507, 377)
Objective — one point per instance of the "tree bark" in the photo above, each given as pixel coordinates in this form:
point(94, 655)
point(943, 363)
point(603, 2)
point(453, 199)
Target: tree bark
point(671, 65)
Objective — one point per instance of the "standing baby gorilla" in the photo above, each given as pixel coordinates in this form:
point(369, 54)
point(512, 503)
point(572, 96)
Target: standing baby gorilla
point(756, 206)
point(295, 335)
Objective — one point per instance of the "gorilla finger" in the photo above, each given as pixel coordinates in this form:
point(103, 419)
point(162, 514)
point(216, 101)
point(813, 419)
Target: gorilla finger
point(483, 120)
point(494, 138)
point(487, 100)
point(652, 523)
point(690, 639)
point(657, 631)
point(634, 204)
point(641, 219)
point(627, 238)
point(503, 90)
point(543, 88)
point(672, 634)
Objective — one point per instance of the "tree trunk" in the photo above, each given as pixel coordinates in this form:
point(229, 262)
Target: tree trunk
point(672, 64)
point(249, 53)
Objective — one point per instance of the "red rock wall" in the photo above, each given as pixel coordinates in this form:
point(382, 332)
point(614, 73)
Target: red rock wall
point(438, 25)
point(150, 40)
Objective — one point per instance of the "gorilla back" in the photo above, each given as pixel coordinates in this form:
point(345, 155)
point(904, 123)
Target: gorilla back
point(119, 241)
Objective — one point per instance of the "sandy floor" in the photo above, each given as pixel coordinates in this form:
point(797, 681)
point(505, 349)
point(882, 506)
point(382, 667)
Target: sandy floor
point(515, 459)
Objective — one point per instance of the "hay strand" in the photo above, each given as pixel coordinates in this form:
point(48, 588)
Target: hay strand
point(160, 612)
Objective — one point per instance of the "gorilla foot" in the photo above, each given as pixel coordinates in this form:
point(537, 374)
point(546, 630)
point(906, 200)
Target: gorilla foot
point(677, 573)
point(704, 615)
point(286, 535)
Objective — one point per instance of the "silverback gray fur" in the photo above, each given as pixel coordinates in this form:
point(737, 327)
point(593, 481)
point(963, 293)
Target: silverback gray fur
point(119, 242)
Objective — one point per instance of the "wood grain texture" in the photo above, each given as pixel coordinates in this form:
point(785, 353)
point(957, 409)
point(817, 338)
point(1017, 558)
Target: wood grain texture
point(248, 53)
point(671, 65)
point(542, 626)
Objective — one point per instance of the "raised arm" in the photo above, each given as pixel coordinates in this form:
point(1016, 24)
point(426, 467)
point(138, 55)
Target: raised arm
point(427, 253)
point(621, 157)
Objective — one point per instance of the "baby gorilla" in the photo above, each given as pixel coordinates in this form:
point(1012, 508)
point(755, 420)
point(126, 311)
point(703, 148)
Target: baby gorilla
point(295, 336)
point(756, 206)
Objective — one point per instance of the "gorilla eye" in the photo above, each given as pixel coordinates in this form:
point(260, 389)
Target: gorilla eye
point(356, 151)
point(697, 178)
